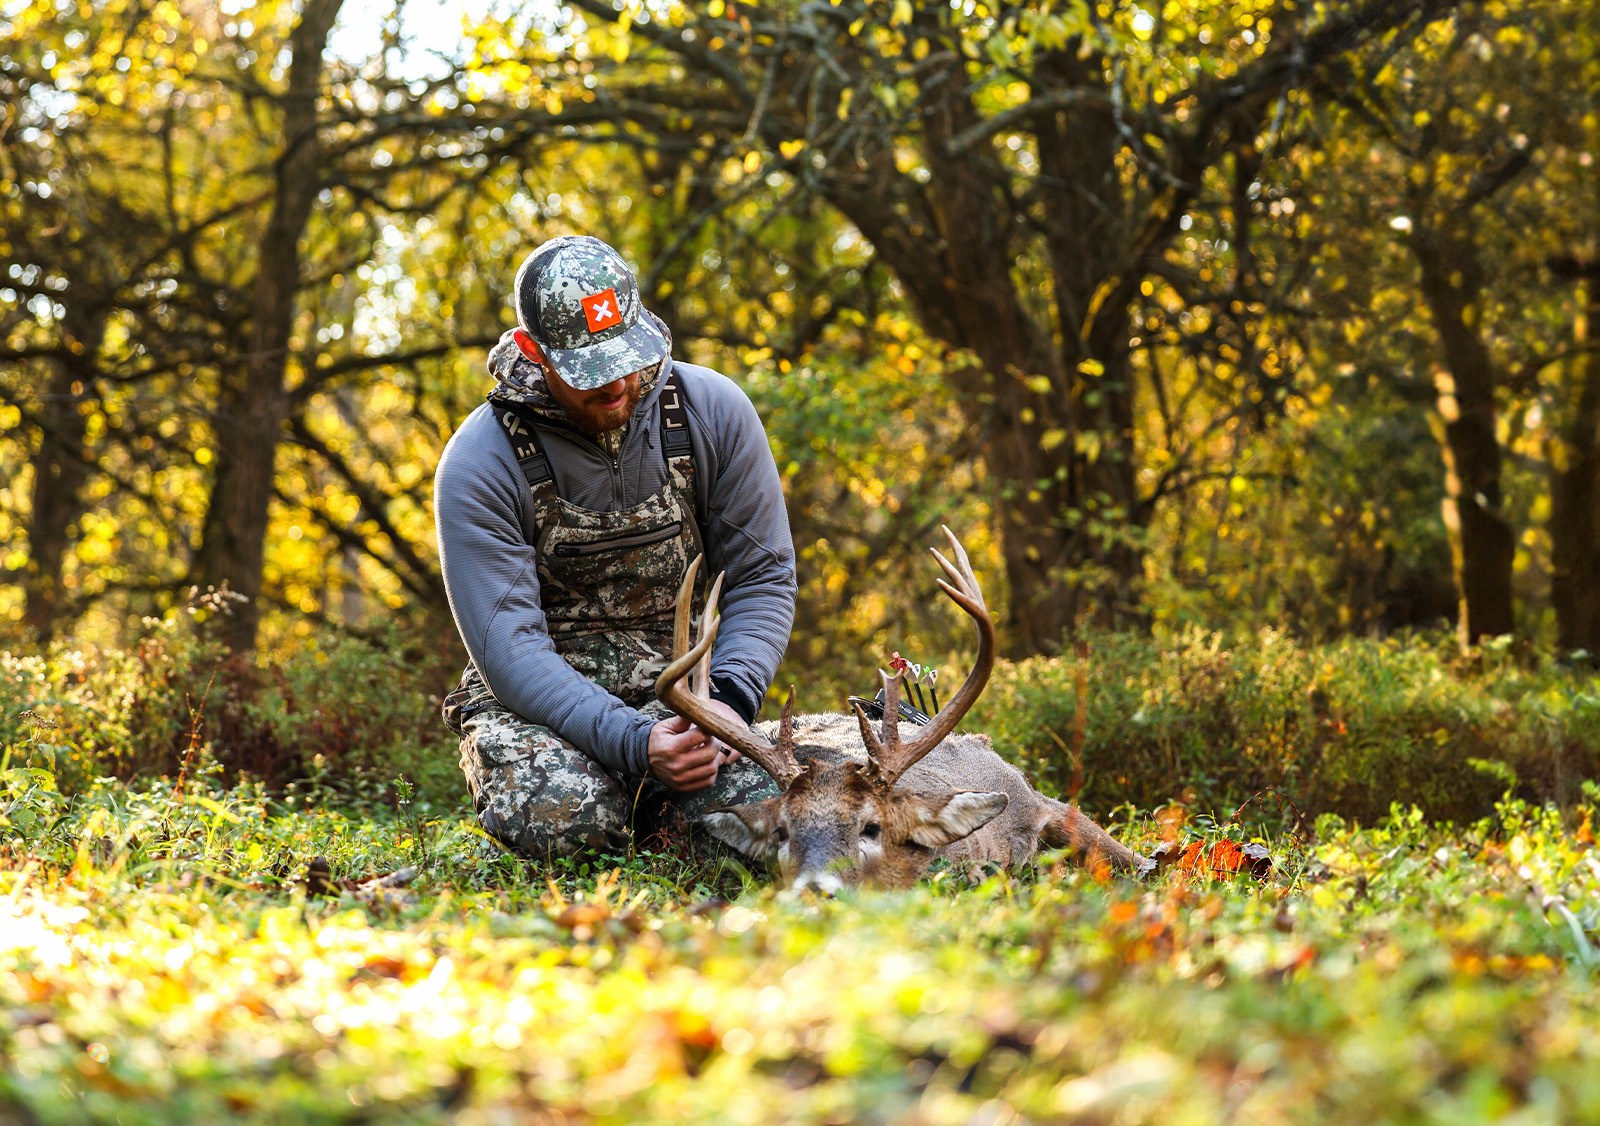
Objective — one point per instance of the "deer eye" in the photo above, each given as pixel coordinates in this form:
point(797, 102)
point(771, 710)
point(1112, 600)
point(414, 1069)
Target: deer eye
point(871, 830)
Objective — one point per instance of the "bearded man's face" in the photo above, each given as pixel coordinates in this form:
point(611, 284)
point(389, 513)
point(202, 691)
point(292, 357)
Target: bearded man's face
point(602, 409)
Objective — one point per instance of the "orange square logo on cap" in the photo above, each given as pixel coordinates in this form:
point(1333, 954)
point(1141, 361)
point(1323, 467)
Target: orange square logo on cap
point(601, 311)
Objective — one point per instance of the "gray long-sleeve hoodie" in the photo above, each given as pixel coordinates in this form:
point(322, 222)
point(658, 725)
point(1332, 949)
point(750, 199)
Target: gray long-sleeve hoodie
point(486, 532)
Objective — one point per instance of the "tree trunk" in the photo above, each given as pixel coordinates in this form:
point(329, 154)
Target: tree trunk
point(61, 465)
point(1482, 540)
point(1575, 498)
point(1052, 405)
point(1087, 225)
point(255, 400)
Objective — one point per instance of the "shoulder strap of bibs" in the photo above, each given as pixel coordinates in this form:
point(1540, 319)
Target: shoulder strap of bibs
point(517, 421)
point(677, 448)
point(675, 443)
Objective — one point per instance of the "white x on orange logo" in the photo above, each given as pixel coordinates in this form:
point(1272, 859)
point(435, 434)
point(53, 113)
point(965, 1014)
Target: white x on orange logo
point(600, 310)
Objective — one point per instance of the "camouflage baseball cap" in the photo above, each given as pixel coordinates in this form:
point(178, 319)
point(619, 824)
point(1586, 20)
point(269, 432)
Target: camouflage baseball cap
point(580, 301)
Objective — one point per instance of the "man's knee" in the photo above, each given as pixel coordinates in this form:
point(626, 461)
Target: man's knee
point(743, 781)
point(539, 796)
point(738, 783)
point(545, 834)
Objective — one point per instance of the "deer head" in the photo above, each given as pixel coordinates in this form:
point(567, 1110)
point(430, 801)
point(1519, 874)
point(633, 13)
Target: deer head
point(840, 823)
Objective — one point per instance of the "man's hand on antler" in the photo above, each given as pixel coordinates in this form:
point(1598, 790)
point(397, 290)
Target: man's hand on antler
point(686, 758)
point(681, 755)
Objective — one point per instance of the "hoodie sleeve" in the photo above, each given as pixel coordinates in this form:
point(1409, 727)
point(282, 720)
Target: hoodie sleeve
point(747, 536)
point(492, 583)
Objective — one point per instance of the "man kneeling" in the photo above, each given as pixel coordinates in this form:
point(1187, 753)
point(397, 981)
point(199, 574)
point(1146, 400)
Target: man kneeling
point(569, 506)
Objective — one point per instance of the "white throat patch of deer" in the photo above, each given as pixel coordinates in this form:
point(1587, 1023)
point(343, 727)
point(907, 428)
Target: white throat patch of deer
point(859, 806)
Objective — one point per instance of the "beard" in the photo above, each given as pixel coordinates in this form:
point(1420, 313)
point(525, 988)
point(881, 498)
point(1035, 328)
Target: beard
point(594, 413)
point(597, 421)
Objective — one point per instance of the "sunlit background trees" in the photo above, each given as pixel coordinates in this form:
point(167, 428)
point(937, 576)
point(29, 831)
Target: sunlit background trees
point(1228, 314)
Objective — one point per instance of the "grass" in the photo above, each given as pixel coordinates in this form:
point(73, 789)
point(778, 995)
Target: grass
point(165, 963)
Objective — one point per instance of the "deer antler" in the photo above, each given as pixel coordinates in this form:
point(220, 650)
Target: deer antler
point(692, 702)
point(683, 615)
point(888, 759)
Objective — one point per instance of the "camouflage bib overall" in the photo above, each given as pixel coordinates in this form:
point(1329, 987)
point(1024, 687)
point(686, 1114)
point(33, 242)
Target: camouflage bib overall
point(608, 582)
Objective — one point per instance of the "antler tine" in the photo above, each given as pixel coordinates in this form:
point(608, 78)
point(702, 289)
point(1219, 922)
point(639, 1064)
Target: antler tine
point(784, 749)
point(683, 610)
point(700, 679)
point(888, 750)
point(966, 595)
point(894, 759)
point(779, 760)
point(891, 712)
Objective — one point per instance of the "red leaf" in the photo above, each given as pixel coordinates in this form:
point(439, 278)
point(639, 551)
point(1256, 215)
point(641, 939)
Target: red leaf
point(1223, 858)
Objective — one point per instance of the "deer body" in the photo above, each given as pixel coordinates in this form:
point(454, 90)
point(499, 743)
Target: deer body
point(824, 813)
point(862, 807)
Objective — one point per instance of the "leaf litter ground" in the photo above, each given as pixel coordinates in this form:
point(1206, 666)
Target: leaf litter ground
point(166, 961)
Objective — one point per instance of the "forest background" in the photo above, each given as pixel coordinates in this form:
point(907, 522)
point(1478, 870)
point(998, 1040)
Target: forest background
point(1249, 347)
point(1258, 323)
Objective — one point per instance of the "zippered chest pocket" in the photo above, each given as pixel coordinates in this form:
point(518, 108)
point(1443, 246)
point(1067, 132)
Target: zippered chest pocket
point(605, 572)
point(623, 541)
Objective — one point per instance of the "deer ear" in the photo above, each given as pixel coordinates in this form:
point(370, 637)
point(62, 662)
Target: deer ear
point(748, 828)
point(942, 818)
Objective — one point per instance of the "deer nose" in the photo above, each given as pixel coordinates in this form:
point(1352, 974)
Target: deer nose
point(824, 883)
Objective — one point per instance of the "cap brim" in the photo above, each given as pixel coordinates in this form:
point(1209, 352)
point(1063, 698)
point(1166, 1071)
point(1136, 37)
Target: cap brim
point(606, 361)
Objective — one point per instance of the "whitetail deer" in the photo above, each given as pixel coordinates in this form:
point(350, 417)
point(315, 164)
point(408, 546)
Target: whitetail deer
point(859, 808)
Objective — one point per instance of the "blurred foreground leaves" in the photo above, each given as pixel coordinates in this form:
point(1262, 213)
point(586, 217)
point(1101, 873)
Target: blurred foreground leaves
point(158, 970)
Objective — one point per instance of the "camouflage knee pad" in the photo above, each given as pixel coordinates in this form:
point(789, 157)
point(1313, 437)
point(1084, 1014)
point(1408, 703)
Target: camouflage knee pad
point(538, 794)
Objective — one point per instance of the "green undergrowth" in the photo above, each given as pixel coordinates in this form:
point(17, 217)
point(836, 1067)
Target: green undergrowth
point(200, 919)
point(1346, 727)
point(181, 955)
point(342, 713)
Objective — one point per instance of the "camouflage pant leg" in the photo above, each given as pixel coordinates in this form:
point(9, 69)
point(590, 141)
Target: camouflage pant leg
point(541, 796)
point(737, 783)
point(538, 794)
